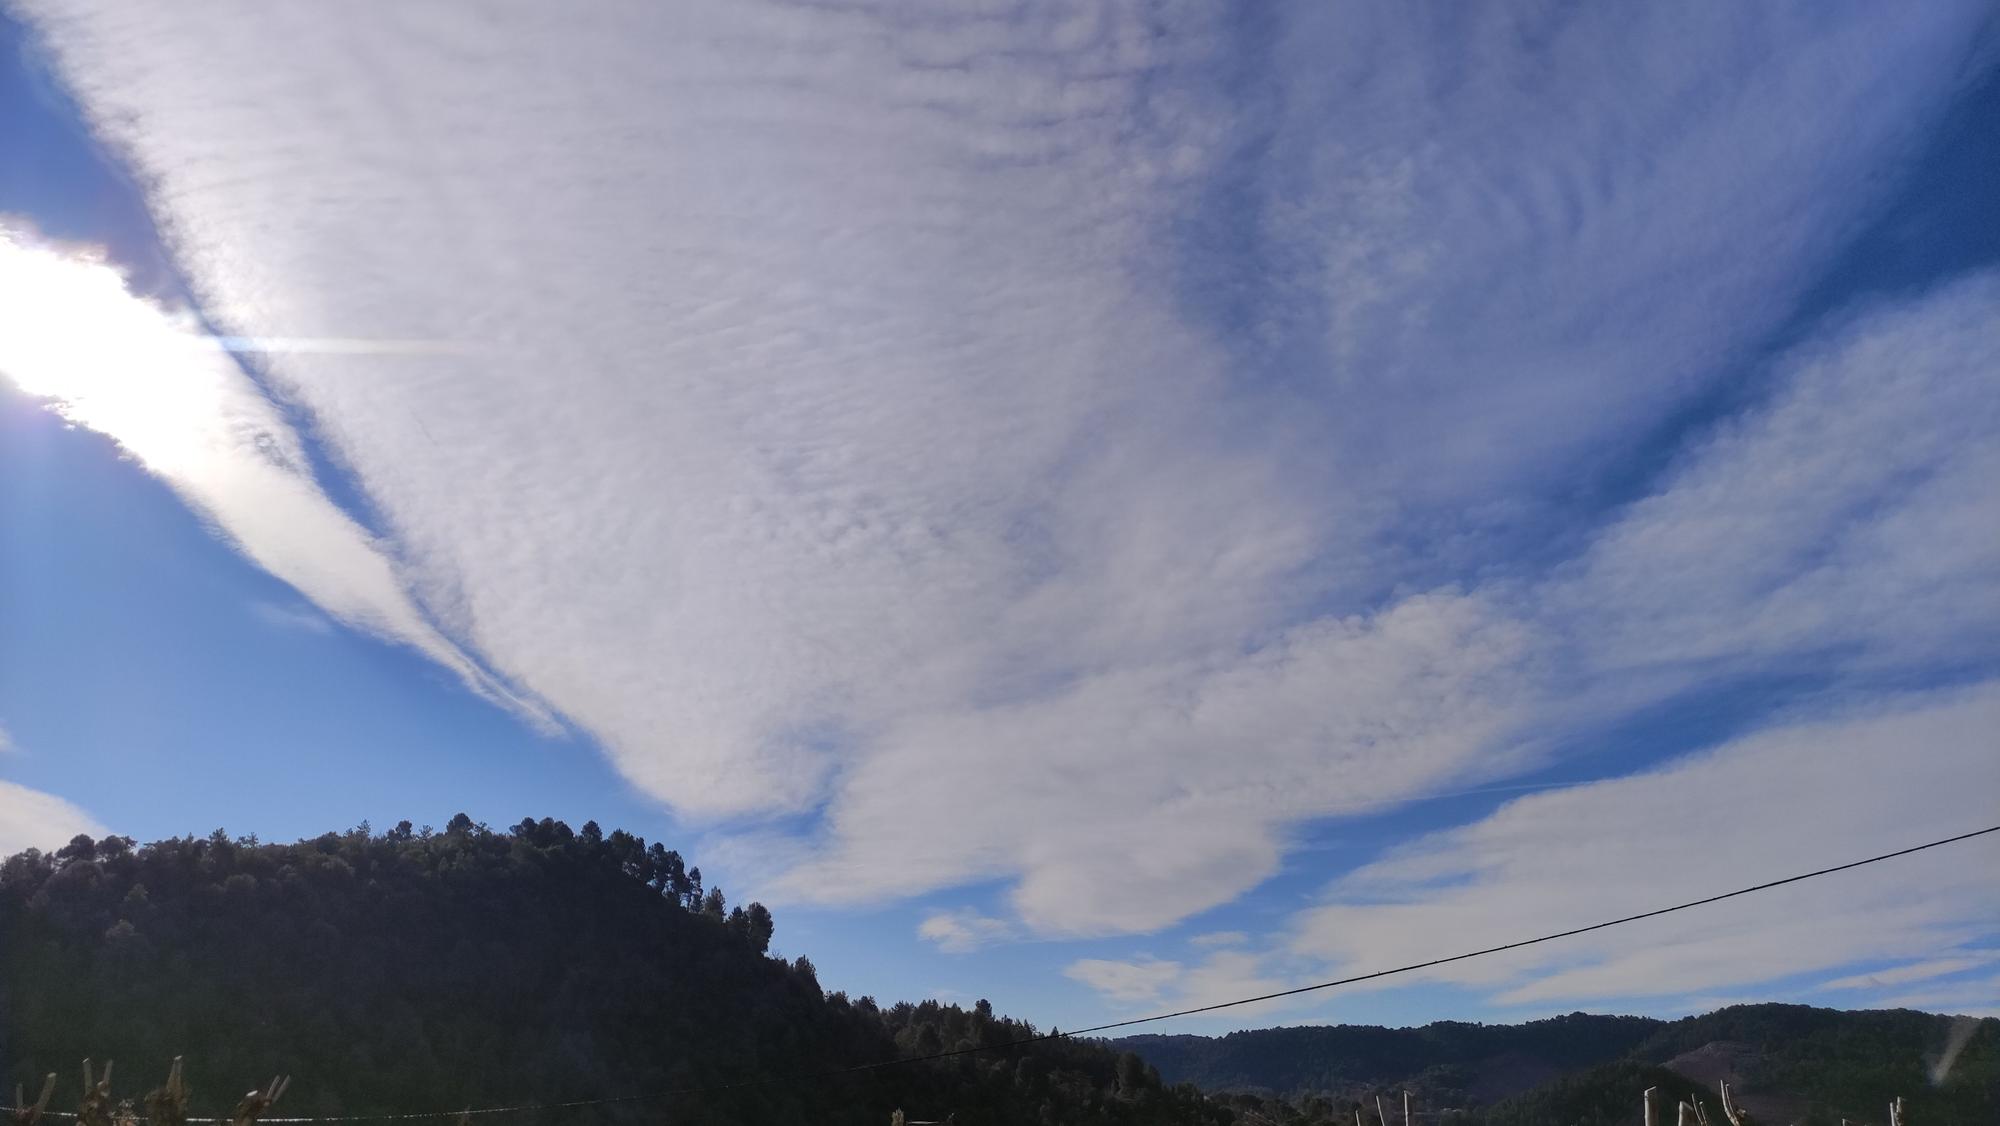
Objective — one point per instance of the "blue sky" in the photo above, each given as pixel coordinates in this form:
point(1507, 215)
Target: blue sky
point(1096, 508)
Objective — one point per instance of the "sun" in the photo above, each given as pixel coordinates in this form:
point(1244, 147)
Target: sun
point(72, 333)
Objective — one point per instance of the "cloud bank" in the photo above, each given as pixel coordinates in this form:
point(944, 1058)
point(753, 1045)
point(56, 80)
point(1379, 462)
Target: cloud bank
point(1872, 781)
point(1078, 447)
point(1841, 526)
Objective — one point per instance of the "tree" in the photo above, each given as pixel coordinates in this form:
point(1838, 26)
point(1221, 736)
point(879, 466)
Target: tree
point(403, 971)
point(762, 926)
point(1131, 1073)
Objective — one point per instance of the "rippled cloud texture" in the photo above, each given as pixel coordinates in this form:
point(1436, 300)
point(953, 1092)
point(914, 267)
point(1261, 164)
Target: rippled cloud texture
point(1077, 446)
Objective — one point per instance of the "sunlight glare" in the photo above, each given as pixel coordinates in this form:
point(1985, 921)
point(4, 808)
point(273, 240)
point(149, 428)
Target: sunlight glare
point(73, 334)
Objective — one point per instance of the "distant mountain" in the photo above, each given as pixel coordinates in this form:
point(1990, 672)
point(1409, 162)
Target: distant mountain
point(422, 971)
point(1457, 1063)
point(1790, 1062)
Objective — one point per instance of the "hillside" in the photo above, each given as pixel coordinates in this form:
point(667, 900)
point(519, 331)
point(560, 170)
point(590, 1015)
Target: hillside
point(419, 970)
point(1790, 1062)
point(1453, 1063)
point(414, 970)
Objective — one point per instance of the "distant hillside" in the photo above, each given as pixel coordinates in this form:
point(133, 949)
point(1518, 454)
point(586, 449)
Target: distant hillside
point(1790, 1062)
point(1829, 1064)
point(1453, 1062)
point(415, 970)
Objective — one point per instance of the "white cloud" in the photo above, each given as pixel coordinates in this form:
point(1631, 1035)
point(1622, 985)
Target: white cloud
point(297, 618)
point(33, 819)
point(1503, 258)
point(963, 931)
point(1009, 435)
point(1219, 938)
point(1913, 971)
point(1222, 976)
point(1978, 998)
point(1125, 982)
point(1231, 975)
point(1142, 811)
point(1785, 800)
point(1851, 513)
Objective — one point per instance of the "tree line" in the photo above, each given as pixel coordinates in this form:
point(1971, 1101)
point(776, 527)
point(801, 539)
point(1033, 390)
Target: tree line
point(419, 969)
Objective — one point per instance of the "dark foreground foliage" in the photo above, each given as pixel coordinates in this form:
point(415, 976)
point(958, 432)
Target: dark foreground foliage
point(1600, 1096)
point(1606, 1095)
point(414, 970)
point(431, 970)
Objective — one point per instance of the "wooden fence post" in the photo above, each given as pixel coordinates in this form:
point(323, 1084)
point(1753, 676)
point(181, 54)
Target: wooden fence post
point(256, 1103)
point(26, 1115)
point(167, 1105)
point(95, 1109)
point(1729, 1109)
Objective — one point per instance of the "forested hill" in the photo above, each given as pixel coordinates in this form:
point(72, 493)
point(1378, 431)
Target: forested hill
point(1463, 1062)
point(1793, 1062)
point(419, 970)
point(413, 970)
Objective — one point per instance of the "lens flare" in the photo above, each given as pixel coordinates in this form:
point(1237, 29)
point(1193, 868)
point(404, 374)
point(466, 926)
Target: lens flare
point(175, 399)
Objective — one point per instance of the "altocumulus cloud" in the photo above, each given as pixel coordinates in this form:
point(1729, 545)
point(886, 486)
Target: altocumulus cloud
point(1022, 434)
point(963, 931)
point(1140, 980)
point(1562, 859)
point(1840, 526)
point(1715, 820)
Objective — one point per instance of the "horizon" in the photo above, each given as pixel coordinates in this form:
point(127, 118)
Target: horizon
point(1102, 510)
point(405, 830)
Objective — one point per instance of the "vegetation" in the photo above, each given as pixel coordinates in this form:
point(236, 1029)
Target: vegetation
point(430, 970)
point(1450, 1063)
point(1581, 1069)
point(1844, 1064)
point(1606, 1095)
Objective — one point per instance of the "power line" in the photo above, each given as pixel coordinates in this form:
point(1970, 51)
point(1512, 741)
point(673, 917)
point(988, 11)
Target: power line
point(880, 1065)
point(1543, 938)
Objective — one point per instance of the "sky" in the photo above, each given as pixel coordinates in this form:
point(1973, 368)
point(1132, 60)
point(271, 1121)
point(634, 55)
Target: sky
point(1104, 507)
